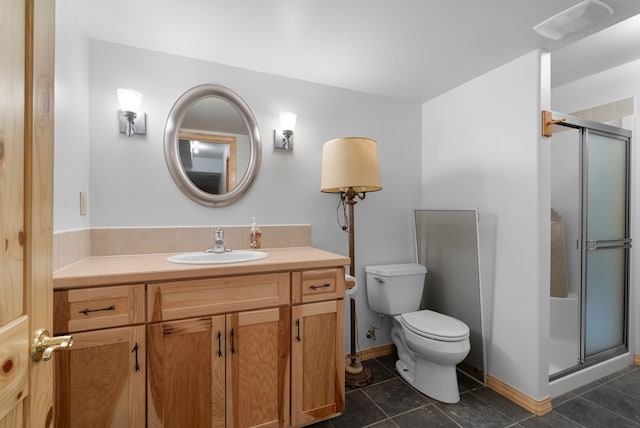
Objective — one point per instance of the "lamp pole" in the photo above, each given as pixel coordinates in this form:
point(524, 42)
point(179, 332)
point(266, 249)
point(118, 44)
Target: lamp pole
point(349, 199)
point(356, 373)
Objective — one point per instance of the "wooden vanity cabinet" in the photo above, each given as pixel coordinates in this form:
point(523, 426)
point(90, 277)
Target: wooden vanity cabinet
point(240, 351)
point(227, 370)
point(317, 349)
point(100, 380)
point(231, 369)
point(186, 378)
point(317, 362)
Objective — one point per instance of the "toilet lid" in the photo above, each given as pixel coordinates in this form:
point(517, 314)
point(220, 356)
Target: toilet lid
point(436, 326)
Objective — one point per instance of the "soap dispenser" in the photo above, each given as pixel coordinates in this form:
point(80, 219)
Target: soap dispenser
point(255, 235)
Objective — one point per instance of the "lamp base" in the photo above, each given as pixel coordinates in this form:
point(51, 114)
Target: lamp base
point(357, 375)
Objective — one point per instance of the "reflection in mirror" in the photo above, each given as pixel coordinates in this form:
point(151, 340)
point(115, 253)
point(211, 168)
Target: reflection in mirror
point(209, 161)
point(212, 145)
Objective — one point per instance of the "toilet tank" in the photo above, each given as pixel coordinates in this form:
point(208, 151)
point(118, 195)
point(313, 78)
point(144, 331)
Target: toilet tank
point(395, 289)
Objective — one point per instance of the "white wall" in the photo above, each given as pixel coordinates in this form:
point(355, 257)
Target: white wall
point(602, 88)
point(481, 149)
point(71, 152)
point(131, 186)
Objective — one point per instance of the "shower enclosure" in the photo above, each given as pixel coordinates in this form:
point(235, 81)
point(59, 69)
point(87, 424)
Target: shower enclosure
point(590, 244)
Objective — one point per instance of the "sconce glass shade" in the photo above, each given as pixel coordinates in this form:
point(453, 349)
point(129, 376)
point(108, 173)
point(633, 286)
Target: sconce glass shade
point(283, 138)
point(130, 119)
point(288, 120)
point(129, 99)
point(350, 162)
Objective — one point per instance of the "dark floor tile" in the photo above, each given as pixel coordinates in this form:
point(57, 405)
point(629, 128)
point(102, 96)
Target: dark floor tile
point(396, 396)
point(616, 401)
point(550, 420)
point(498, 402)
point(586, 388)
point(467, 383)
point(472, 412)
point(389, 361)
point(379, 372)
point(624, 372)
point(428, 416)
point(323, 424)
point(387, 423)
point(589, 414)
point(562, 398)
point(359, 411)
point(629, 383)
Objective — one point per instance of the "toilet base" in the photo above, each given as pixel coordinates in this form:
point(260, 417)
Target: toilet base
point(433, 380)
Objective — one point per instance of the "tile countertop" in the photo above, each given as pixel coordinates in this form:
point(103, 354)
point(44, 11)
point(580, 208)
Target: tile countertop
point(128, 269)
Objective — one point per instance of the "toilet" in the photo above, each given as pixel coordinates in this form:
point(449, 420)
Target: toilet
point(429, 344)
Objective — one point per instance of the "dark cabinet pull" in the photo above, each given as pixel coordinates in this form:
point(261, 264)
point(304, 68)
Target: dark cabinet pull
point(135, 349)
point(315, 287)
point(219, 336)
point(88, 311)
point(233, 343)
point(298, 327)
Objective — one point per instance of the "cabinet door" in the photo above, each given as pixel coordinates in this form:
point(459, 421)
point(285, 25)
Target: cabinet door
point(258, 350)
point(186, 373)
point(317, 373)
point(100, 380)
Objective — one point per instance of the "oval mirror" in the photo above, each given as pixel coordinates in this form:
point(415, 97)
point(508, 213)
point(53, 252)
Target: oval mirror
point(212, 145)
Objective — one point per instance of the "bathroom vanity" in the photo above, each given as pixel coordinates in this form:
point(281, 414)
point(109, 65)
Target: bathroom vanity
point(231, 345)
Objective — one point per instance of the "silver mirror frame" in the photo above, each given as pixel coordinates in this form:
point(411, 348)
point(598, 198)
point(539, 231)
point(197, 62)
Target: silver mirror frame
point(172, 154)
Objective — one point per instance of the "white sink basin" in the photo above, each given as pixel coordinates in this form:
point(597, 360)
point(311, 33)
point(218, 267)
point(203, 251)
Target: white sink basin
point(202, 258)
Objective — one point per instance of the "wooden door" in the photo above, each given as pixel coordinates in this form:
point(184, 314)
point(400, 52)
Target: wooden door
point(26, 207)
point(101, 380)
point(186, 369)
point(317, 373)
point(258, 350)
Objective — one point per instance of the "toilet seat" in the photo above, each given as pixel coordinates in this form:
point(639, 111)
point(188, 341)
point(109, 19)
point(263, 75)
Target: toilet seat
point(435, 326)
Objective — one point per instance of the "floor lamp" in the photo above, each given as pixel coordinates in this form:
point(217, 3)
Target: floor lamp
point(350, 168)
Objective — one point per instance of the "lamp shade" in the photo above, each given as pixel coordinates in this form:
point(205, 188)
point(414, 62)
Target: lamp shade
point(129, 99)
point(350, 162)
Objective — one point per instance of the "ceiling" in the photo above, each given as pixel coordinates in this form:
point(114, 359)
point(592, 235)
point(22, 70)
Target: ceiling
point(413, 50)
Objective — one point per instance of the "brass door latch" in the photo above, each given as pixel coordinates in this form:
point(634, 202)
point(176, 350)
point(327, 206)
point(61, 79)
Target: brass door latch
point(43, 345)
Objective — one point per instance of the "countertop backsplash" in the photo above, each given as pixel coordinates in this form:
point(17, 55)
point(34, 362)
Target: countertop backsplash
point(72, 246)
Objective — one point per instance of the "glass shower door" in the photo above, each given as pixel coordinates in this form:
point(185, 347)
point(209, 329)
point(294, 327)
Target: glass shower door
point(607, 243)
point(590, 176)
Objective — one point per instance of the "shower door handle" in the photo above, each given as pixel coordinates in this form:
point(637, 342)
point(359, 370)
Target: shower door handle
point(607, 244)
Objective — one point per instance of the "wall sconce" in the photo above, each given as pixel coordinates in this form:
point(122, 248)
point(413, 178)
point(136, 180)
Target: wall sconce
point(130, 118)
point(283, 139)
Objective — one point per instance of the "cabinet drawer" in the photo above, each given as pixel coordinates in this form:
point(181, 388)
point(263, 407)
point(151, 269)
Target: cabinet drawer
point(316, 285)
point(94, 308)
point(183, 299)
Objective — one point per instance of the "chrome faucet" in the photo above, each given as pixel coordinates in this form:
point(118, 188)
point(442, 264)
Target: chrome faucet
point(218, 245)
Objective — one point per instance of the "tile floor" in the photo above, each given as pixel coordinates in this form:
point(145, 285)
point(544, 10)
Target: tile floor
point(611, 402)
